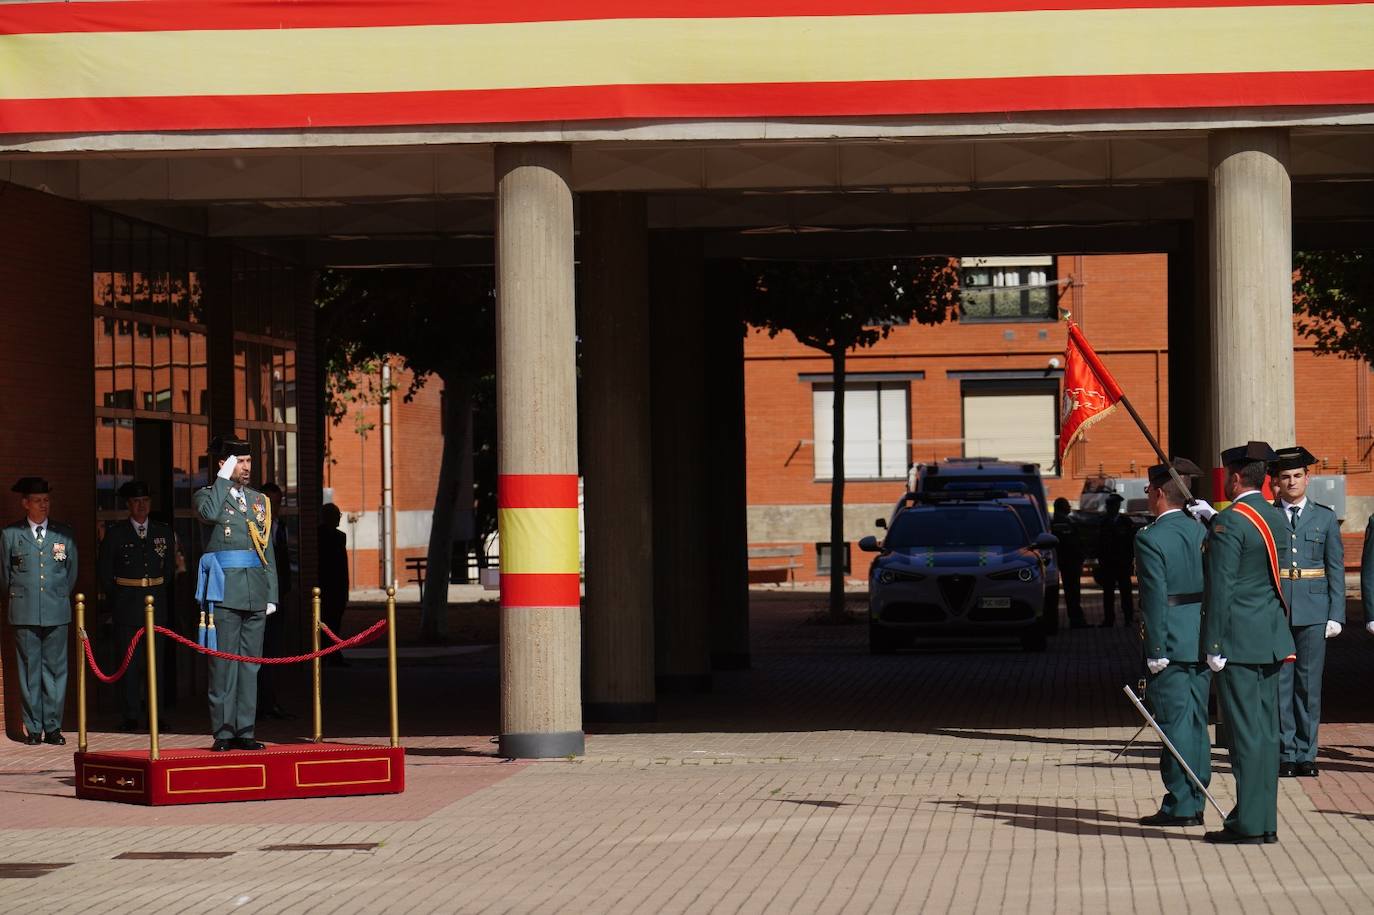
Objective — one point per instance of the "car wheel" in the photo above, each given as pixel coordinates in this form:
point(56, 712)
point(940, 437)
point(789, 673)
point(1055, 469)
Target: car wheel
point(1051, 618)
point(880, 641)
point(1033, 639)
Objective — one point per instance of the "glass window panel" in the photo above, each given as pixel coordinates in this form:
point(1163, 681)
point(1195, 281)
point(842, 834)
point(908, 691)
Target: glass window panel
point(123, 349)
point(143, 366)
point(103, 369)
point(241, 376)
point(200, 400)
point(291, 481)
point(289, 386)
point(180, 341)
point(105, 464)
point(162, 370)
point(119, 260)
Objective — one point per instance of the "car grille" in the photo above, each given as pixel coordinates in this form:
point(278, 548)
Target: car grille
point(955, 589)
point(902, 612)
point(1018, 611)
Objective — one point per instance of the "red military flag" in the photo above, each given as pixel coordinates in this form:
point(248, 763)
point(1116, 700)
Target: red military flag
point(1090, 391)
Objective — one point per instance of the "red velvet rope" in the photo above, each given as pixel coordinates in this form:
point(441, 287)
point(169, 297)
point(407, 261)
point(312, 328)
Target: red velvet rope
point(369, 634)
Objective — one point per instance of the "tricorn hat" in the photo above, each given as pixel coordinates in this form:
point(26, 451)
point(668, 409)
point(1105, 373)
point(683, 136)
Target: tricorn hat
point(1159, 473)
point(1292, 459)
point(134, 489)
point(223, 446)
point(1249, 452)
point(31, 486)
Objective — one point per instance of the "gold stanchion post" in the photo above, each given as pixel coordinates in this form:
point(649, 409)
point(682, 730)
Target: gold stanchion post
point(391, 664)
point(148, 649)
point(315, 663)
point(81, 673)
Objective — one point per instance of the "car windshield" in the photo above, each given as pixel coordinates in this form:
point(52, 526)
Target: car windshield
point(1030, 516)
point(955, 527)
point(1015, 482)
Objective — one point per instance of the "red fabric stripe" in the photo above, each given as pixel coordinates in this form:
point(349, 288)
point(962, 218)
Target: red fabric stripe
point(1268, 535)
point(178, 15)
point(536, 490)
point(496, 106)
point(541, 590)
point(1109, 385)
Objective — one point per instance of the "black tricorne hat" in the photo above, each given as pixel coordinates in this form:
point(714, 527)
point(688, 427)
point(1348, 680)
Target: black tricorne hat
point(1292, 459)
point(223, 446)
point(31, 486)
point(134, 489)
point(1249, 452)
point(1159, 473)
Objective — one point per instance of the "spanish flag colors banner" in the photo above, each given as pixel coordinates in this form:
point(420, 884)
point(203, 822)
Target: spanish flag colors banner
point(138, 65)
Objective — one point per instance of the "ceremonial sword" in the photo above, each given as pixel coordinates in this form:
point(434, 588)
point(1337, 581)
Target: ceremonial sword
point(1150, 722)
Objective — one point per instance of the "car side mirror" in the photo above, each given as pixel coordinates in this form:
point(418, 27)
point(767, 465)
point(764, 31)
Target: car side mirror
point(881, 522)
point(1046, 541)
point(869, 544)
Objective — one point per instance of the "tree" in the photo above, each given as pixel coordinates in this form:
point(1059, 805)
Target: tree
point(1333, 298)
point(835, 307)
point(439, 323)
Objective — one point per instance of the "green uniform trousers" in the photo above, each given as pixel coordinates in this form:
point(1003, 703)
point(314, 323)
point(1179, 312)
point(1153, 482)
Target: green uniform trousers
point(234, 684)
point(1178, 696)
point(1249, 697)
point(42, 652)
point(1300, 695)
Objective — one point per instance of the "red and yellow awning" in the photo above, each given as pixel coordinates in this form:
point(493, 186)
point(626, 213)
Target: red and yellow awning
point(246, 64)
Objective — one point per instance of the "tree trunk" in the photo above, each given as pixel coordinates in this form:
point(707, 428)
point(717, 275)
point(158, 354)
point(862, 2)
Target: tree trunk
point(457, 405)
point(837, 493)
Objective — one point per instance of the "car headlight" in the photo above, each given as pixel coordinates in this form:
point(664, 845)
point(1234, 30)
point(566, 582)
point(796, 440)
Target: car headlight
point(888, 576)
point(1024, 573)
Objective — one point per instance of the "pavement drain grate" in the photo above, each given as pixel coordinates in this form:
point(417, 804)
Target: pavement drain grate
point(20, 870)
point(340, 846)
point(170, 855)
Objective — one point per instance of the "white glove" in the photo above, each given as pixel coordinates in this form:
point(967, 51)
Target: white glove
point(226, 470)
point(1369, 627)
point(1202, 510)
point(271, 609)
point(1156, 664)
point(1332, 628)
point(1216, 662)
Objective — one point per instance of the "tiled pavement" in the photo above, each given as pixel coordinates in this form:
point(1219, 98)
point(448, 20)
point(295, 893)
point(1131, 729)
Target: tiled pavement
point(822, 780)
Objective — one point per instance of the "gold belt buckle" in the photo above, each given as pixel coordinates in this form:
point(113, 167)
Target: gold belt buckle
point(145, 581)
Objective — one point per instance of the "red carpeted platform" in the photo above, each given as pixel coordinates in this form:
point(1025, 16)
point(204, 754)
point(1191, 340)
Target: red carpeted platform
point(280, 771)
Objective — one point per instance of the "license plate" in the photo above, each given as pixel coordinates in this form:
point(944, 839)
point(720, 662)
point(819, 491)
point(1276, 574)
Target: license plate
point(995, 603)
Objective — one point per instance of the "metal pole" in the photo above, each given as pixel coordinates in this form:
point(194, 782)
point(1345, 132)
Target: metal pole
point(1149, 719)
point(391, 664)
point(388, 506)
point(148, 634)
point(1159, 452)
point(315, 662)
point(81, 673)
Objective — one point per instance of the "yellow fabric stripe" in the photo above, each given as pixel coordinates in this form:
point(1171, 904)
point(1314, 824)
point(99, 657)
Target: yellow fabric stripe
point(640, 51)
point(538, 540)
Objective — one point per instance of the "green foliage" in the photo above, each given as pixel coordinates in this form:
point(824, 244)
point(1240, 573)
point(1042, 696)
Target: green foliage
point(1333, 299)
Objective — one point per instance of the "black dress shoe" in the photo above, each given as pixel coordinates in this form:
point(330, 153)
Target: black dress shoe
point(247, 743)
point(1166, 819)
point(55, 738)
point(1288, 770)
point(1227, 837)
point(1271, 838)
point(1307, 770)
point(222, 744)
point(33, 740)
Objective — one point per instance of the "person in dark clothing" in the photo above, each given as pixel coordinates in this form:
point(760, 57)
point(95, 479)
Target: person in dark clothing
point(333, 573)
point(1069, 552)
point(272, 639)
point(1116, 561)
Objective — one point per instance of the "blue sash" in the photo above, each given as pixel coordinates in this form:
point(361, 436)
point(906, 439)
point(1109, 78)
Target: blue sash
point(210, 577)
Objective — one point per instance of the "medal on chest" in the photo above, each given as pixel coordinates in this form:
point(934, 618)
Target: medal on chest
point(228, 532)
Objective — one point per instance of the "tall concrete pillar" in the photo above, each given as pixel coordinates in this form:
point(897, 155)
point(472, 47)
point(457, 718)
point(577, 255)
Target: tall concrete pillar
point(1251, 264)
point(541, 702)
point(618, 479)
point(682, 536)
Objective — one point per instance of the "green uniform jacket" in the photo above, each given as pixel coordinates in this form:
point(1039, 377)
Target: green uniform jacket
point(123, 554)
point(38, 582)
point(1168, 561)
point(1367, 571)
point(1318, 545)
point(1243, 619)
point(244, 589)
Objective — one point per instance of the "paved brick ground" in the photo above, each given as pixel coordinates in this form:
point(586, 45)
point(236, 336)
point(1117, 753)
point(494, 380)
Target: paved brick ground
point(825, 780)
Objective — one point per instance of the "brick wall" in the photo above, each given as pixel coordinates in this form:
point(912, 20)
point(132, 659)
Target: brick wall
point(46, 352)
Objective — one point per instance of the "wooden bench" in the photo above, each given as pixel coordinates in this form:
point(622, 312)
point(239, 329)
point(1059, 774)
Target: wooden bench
point(785, 560)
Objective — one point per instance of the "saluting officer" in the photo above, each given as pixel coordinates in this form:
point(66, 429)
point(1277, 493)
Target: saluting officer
point(1168, 562)
point(136, 560)
point(1246, 639)
point(1313, 575)
point(37, 573)
point(237, 581)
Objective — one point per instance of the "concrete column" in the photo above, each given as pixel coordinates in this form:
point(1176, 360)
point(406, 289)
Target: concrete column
point(682, 537)
point(618, 480)
point(541, 702)
point(1251, 254)
point(728, 555)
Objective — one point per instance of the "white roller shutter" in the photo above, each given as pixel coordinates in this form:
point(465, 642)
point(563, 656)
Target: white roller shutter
point(1013, 427)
